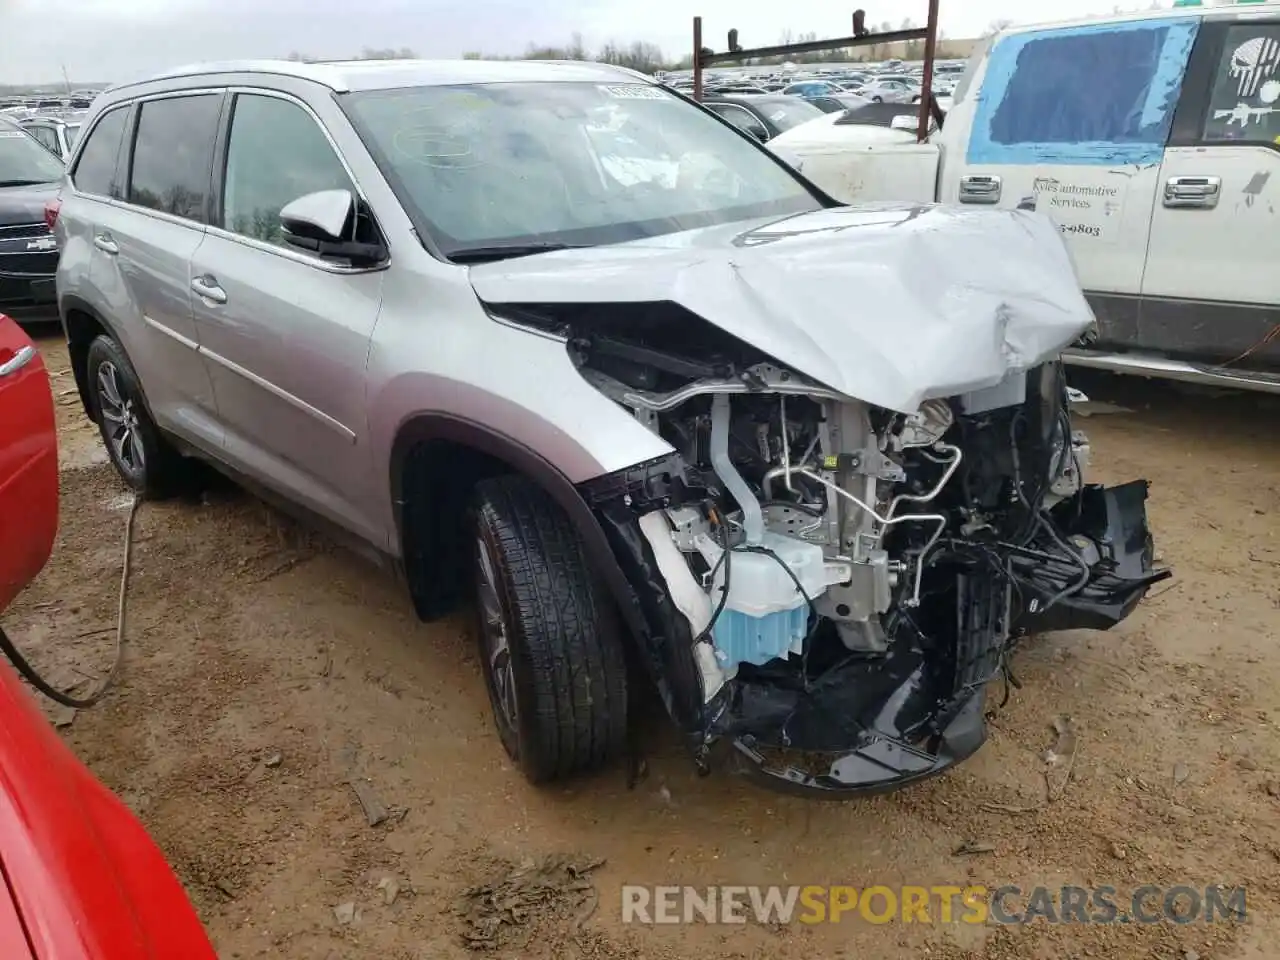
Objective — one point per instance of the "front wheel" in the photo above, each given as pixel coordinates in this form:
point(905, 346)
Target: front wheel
point(138, 451)
point(877, 99)
point(550, 643)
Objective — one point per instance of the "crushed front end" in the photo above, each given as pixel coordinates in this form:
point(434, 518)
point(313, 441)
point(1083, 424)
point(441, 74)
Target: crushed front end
point(829, 586)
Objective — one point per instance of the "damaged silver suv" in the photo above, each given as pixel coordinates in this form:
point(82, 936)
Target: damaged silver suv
point(556, 338)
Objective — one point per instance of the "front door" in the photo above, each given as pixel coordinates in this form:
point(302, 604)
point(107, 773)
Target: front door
point(284, 334)
point(1073, 122)
point(28, 462)
point(1211, 291)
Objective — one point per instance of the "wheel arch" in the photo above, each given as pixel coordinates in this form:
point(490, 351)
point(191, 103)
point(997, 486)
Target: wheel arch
point(440, 457)
point(81, 325)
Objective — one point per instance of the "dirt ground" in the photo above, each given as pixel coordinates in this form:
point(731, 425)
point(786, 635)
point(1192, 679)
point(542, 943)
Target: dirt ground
point(266, 670)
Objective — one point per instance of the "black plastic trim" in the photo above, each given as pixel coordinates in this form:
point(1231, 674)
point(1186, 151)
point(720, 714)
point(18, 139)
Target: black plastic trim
point(425, 427)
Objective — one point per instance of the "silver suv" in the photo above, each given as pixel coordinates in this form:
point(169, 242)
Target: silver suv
point(555, 338)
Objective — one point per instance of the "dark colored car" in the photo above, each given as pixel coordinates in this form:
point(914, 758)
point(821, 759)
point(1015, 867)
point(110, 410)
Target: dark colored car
point(29, 178)
point(763, 116)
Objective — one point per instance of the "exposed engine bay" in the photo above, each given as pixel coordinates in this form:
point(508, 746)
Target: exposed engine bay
point(832, 584)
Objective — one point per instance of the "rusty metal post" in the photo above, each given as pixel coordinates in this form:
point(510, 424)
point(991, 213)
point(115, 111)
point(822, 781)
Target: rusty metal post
point(697, 59)
point(926, 85)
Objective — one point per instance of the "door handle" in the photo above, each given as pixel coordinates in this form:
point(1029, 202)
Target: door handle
point(208, 288)
point(1182, 192)
point(104, 243)
point(17, 361)
point(976, 188)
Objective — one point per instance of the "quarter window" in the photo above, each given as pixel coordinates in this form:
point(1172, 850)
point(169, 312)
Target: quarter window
point(276, 154)
point(741, 118)
point(1245, 104)
point(46, 137)
point(96, 169)
point(173, 153)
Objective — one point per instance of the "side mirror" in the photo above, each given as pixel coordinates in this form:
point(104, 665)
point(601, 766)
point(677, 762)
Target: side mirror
point(323, 216)
point(321, 222)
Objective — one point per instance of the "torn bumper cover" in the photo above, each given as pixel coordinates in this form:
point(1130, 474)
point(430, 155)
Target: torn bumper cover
point(868, 726)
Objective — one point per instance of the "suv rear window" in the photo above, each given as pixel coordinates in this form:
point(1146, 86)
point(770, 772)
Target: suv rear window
point(173, 154)
point(96, 169)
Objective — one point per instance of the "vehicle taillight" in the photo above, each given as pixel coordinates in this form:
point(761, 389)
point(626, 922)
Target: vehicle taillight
point(51, 212)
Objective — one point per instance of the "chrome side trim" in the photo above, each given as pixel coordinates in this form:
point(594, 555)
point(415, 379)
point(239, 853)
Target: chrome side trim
point(1135, 364)
point(170, 332)
point(284, 395)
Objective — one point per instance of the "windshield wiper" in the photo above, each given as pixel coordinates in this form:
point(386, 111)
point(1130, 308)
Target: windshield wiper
point(23, 183)
point(506, 251)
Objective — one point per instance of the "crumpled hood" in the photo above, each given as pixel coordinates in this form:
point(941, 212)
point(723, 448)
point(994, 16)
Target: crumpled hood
point(888, 303)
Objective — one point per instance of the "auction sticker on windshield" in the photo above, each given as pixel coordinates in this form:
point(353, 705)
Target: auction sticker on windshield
point(632, 91)
point(1086, 211)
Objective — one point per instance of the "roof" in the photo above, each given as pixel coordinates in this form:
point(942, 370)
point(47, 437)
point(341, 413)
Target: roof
point(345, 76)
point(1227, 10)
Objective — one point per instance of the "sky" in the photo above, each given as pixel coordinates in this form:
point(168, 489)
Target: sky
point(119, 40)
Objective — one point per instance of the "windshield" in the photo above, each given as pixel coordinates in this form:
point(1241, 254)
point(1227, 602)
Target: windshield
point(565, 163)
point(24, 161)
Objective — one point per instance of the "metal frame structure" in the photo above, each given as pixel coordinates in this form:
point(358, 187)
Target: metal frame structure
point(703, 58)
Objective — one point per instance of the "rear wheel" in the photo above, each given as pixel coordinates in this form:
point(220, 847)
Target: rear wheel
point(550, 644)
point(140, 454)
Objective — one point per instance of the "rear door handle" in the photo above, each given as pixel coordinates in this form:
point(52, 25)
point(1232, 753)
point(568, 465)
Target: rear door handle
point(208, 288)
point(976, 188)
point(104, 243)
point(1183, 192)
point(17, 361)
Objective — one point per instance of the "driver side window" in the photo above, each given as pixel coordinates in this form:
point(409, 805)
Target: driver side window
point(276, 153)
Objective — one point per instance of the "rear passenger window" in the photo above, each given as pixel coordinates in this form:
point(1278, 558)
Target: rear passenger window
point(276, 154)
point(173, 154)
point(1101, 94)
point(1245, 104)
point(96, 169)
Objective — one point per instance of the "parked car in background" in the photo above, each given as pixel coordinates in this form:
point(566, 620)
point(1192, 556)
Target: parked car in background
point(837, 102)
point(890, 91)
point(477, 355)
point(29, 177)
point(81, 878)
point(764, 116)
point(57, 133)
point(811, 88)
point(1168, 204)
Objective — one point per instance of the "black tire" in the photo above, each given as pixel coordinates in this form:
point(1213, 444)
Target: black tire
point(877, 100)
point(138, 451)
point(560, 697)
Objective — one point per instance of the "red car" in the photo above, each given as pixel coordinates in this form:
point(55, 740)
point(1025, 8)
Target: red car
point(79, 877)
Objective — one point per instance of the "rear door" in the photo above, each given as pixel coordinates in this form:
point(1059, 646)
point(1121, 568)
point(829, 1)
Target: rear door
point(285, 334)
point(144, 244)
point(1075, 120)
point(28, 464)
point(1211, 291)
